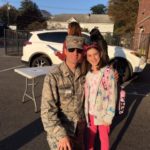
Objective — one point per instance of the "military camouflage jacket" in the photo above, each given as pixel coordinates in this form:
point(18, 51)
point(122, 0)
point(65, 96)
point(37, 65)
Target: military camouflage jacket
point(62, 101)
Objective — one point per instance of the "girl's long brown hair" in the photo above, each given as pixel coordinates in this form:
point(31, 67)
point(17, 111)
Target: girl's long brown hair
point(74, 28)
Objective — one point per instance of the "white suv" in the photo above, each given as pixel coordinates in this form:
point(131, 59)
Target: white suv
point(39, 51)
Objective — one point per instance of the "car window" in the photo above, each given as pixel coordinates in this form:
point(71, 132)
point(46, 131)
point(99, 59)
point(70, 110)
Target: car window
point(58, 37)
point(85, 36)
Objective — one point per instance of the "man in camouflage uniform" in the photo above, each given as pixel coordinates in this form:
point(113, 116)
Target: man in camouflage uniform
point(62, 102)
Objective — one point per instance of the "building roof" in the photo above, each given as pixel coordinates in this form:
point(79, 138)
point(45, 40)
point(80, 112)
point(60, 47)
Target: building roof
point(84, 18)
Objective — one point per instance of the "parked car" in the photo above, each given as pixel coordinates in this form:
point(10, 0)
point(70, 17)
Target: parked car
point(39, 51)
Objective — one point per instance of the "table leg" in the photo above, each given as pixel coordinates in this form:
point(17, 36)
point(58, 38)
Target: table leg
point(26, 89)
point(26, 92)
point(33, 95)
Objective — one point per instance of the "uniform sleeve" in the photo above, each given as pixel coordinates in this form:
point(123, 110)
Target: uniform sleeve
point(112, 94)
point(49, 109)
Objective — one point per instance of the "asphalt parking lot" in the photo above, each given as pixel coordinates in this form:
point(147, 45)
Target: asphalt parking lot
point(21, 128)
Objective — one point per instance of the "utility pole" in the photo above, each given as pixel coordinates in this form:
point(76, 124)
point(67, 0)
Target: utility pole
point(8, 9)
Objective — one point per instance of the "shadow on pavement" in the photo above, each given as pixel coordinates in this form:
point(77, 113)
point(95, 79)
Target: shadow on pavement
point(118, 119)
point(23, 136)
point(132, 103)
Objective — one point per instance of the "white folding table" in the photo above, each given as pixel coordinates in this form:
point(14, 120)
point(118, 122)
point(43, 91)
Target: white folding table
point(31, 74)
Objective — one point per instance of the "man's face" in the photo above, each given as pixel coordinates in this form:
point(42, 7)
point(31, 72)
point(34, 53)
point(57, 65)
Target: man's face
point(73, 56)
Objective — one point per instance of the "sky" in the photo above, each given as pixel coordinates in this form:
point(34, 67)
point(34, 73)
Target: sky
point(61, 6)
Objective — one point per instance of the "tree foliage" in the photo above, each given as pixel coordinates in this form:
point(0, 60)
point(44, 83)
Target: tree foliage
point(124, 13)
point(8, 14)
point(28, 14)
point(99, 9)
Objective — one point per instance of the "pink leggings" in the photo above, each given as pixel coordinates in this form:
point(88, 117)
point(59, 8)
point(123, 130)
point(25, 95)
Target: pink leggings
point(103, 134)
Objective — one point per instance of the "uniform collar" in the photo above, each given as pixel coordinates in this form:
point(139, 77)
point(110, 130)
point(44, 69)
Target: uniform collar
point(67, 72)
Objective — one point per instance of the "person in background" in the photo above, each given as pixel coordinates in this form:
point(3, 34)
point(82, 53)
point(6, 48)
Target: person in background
point(62, 104)
point(73, 29)
point(100, 105)
point(96, 36)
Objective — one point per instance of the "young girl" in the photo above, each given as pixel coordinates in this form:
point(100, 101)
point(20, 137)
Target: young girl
point(73, 29)
point(100, 100)
point(96, 36)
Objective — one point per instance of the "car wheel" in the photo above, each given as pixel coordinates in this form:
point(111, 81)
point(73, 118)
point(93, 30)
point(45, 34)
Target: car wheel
point(40, 61)
point(123, 68)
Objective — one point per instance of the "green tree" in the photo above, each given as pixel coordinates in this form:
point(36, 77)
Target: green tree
point(28, 14)
point(8, 14)
point(124, 13)
point(99, 9)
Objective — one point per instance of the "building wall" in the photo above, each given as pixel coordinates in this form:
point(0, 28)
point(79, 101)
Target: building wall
point(57, 25)
point(142, 29)
point(143, 20)
point(103, 27)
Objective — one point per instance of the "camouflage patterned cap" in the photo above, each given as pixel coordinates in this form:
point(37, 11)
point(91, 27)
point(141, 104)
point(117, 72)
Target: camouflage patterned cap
point(74, 42)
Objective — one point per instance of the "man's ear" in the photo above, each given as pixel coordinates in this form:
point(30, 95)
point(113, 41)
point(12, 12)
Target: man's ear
point(65, 51)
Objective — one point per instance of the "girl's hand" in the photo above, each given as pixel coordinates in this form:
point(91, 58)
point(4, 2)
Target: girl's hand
point(56, 53)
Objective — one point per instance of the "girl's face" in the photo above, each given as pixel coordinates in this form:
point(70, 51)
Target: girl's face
point(93, 56)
